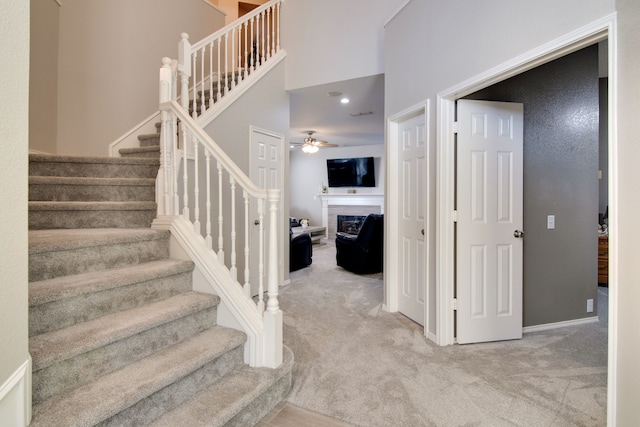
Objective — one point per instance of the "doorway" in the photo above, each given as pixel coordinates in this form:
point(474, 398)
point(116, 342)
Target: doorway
point(446, 146)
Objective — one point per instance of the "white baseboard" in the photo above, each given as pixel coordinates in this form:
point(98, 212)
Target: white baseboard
point(15, 397)
point(547, 326)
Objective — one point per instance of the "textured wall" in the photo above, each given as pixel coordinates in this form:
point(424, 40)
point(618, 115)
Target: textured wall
point(561, 144)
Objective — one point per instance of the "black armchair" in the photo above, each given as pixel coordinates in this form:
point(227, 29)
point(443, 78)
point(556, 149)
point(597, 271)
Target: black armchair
point(363, 253)
point(300, 251)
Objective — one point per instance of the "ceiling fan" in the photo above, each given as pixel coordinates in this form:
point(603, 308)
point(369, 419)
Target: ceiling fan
point(312, 145)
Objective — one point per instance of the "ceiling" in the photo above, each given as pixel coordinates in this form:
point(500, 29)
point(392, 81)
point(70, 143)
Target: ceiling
point(360, 122)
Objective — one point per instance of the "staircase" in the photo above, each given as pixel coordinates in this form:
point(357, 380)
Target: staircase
point(117, 336)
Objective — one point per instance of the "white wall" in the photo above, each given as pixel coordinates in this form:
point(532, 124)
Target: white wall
point(309, 172)
point(109, 57)
point(43, 90)
point(628, 319)
point(334, 40)
point(14, 131)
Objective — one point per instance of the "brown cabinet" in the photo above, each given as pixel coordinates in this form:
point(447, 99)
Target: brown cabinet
point(603, 259)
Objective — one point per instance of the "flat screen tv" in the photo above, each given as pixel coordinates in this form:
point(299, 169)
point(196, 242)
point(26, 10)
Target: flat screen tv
point(352, 172)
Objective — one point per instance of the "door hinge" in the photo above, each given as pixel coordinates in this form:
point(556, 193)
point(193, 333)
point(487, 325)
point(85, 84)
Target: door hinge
point(455, 127)
point(455, 216)
point(455, 304)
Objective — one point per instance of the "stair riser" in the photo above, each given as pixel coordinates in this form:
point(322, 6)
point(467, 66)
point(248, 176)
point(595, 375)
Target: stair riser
point(70, 311)
point(149, 140)
point(47, 265)
point(99, 170)
point(47, 220)
point(65, 375)
point(260, 407)
point(96, 193)
point(143, 154)
point(174, 394)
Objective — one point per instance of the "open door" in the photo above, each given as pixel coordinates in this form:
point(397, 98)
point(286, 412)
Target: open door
point(489, 232)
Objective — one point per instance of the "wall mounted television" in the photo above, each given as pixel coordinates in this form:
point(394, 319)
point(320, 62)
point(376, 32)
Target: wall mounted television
point(351, 172)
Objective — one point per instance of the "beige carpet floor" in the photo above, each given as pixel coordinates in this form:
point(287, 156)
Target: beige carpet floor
point(367, 367)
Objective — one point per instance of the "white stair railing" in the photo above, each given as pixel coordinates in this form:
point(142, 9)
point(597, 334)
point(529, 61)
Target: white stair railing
point(203, 75)
point(214, 66)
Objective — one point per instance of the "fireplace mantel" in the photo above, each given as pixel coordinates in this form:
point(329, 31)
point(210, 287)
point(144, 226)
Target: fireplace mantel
point(349, 199)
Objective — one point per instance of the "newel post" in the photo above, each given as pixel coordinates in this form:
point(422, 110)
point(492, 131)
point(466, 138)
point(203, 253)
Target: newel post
point(184, 68)
point(273, 314)
point(163, 192)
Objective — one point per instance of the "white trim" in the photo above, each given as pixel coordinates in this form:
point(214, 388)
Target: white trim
point(15, 396)
point(604, 28)
point(566, 323)
point(396, 13)
point(392, 209)
point(130, 139)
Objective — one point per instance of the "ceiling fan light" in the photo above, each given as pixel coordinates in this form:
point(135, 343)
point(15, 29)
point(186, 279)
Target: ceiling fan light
point(309, 149)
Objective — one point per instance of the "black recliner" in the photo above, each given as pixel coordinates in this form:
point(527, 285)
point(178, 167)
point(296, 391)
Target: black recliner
point(362, 254)
point(300, 251)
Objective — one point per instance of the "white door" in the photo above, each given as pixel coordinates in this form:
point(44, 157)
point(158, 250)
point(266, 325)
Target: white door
point(489, 205)
point(412, 196)
point(266, 172)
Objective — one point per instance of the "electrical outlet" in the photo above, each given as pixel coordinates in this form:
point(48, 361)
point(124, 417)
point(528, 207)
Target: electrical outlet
point(551, 222)
point(590, 305)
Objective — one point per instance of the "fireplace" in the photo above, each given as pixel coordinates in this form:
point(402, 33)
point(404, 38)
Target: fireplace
point(350, 224)
point(350, 204)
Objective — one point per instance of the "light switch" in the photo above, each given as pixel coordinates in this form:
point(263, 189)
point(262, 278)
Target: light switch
point(551, 222)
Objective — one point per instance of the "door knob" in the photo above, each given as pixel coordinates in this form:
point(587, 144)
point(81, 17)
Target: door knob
point(518, 234)
point(256, 222)
point(422, 231)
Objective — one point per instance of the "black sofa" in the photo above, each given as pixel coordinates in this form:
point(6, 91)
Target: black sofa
point(362, 254)
point(300, 251)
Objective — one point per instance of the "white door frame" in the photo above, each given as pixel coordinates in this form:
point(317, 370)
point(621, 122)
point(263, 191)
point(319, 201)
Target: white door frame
point(392, 208)
point(602, 29)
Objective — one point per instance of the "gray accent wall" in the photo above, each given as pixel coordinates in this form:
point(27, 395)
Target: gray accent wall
point(561, 150)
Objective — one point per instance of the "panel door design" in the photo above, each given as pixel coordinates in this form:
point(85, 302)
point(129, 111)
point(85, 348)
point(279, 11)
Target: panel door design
point(489, 204)
point(413, 195)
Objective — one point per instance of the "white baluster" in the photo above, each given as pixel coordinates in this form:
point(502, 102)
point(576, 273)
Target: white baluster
point(253, 44)
point(278, 41)
point(211, 100)
point(246, 49)
point(262, 37)
point(194, 103)
point(185, 176)
point(207, 239)
point(260, 255)
point(196, 188)
point(220, 217)
point(233, 57)
point(234, 269)
point(203, 105)
point(226, 63)
point(247, 249)
point(184, 68)
point(268, 33)
point(219, 82)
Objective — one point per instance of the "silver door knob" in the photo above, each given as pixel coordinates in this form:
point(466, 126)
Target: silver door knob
point(518, 234)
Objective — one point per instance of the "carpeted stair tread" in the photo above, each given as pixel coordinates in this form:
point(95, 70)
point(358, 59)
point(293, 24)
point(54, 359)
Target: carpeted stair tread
point(91, 159)
point(83, 180)
point(149, 140)
point(62, 344)
point(105, 397)
point(60, 240)
point(46, 291)
point(221, 402)
point(91, 206)
point(114, 167)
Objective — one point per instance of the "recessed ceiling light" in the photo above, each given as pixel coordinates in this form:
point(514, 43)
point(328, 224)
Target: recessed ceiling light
point(344, 100)
point(334, 93)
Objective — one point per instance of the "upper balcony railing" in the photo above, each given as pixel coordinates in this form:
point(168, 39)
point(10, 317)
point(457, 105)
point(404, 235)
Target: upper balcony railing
point(214, 66)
